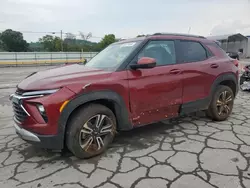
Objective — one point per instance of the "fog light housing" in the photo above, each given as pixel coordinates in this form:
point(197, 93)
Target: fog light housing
point(42, 111)
point(41, 108)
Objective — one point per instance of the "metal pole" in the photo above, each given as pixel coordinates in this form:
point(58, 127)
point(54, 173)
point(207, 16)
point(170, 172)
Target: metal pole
point(35, 58)
point(61, 42)
point(50, 58)
point(81, 56)
point(16, 58)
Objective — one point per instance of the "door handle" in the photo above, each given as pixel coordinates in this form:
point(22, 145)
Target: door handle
point(175, 71)
point(214, 66)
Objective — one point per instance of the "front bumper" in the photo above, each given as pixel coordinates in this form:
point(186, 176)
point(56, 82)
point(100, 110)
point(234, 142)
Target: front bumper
point(26, 135)
point(54, 142)
point(28, 116)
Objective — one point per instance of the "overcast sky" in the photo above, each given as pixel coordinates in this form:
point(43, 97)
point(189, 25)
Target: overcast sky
point(125, 18)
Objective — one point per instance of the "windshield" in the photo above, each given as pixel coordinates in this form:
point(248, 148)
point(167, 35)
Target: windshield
point(112, 56)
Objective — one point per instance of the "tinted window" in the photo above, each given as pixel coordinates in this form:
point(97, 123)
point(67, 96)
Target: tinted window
point(216, 48)
point(162, 51)
point(193, 51)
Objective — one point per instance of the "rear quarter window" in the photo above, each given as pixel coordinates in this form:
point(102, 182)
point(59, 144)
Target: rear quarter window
point(216, 49)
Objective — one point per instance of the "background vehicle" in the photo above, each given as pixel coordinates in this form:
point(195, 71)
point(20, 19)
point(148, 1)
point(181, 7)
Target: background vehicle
point(233, 55)
point(245, 79)
point(129, 84)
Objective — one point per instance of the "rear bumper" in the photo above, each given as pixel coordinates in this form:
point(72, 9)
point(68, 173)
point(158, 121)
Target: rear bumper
point(43, 141)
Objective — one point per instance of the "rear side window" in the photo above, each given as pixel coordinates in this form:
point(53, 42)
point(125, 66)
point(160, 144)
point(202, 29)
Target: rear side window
point(192, 51)
point(216, 49)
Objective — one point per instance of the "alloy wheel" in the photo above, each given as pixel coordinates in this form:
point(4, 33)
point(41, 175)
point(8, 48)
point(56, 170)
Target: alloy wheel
point(224, 103)
point(95, 133)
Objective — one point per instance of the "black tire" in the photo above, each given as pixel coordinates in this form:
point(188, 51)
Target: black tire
point(208, 113)
point(214, 111)
point(74, 134)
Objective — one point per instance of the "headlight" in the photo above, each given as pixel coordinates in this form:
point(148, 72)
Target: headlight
point(40, 93)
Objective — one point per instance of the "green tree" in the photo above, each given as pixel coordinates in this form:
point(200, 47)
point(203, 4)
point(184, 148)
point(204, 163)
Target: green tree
point(70, 43)
point(51, 43)
point(1, 44)
point(13, 41)
point(48, 42)
point(107, 40)
point(36, 47)
point(57, 44)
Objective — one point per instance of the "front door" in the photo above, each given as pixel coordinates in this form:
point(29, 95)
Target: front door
point(156, 93)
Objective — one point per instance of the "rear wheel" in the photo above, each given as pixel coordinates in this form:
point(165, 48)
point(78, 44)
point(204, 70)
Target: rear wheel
point(90, 131)
point(221, 105)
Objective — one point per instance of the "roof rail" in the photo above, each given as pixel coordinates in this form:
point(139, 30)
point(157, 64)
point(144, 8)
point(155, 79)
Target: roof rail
point(180, 34)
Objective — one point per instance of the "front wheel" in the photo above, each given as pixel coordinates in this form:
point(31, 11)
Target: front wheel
point(222, 103)
point(90, 131)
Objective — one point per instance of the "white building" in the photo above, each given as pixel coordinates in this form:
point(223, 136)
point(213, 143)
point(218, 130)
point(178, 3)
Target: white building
point(248, 47)
point(233, 43)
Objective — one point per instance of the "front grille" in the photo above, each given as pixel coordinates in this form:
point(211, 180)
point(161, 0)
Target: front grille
point(19, 113)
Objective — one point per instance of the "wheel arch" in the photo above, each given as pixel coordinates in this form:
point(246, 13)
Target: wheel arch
point(108, 98)
point(228, 79)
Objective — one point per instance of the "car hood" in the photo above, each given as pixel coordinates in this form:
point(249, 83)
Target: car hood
point(62, 76)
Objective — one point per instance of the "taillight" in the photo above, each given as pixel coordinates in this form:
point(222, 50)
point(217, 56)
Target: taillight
point(236, 63)
point(245, 68)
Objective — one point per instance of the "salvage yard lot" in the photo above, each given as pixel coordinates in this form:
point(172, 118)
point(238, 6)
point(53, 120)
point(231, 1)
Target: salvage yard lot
point(190, 152)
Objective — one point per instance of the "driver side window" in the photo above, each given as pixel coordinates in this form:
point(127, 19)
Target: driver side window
point(162, 51)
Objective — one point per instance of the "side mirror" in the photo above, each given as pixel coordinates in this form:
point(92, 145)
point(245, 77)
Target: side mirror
point(144, 63)
point(85, 61)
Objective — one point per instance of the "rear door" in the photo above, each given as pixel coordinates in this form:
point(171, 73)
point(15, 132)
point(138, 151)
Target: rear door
point(198, 67)
point(156, 93)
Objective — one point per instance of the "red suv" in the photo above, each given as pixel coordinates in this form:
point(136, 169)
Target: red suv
point(129, 84)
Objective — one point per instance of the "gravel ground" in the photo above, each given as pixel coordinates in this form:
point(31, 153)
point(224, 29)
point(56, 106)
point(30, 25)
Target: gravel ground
point(189, 152)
